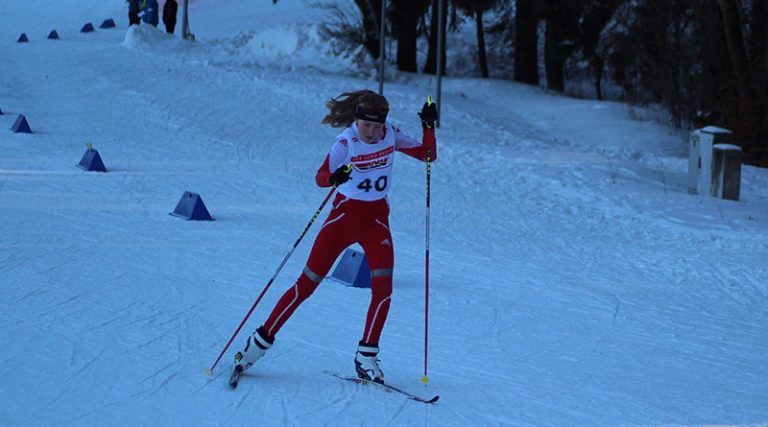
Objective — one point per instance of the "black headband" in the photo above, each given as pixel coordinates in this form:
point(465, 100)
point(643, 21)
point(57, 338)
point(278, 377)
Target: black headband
point(377, 115)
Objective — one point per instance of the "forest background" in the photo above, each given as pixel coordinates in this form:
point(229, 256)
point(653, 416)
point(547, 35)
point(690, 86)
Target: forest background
point(703, 61)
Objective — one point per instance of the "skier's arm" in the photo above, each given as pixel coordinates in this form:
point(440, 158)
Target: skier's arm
point(428, 146)
point(322, 178)
point(333, 161)
point(417, 149)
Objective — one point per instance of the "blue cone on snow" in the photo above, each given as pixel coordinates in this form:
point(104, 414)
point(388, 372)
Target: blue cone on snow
point(108, 23)
point(91, 161)
point(53, 35)
point(22, 38)
point(191, 207)
point(87, 28)
point(353, 269)
point(21, 125)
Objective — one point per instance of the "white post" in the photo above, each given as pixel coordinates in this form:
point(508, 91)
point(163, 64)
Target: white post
point(701, 179)
point(704, 183)
point(694, 161)
point(726, 171)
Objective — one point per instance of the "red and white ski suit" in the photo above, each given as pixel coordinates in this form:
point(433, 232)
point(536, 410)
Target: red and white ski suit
point(360, 215)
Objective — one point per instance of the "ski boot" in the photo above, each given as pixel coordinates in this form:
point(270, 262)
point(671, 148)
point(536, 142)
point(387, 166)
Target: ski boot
point(256, 346)
point(366, 363)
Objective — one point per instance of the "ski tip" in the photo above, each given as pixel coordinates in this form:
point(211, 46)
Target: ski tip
point(434, 399)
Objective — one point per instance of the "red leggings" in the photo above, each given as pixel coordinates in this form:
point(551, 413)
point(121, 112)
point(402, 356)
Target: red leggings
point(350, 221)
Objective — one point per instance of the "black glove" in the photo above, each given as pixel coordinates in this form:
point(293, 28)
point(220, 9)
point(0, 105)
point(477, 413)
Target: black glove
point(340, 175)
point(428, 114)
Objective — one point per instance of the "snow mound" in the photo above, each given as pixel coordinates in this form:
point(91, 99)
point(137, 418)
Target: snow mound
point(305, 46)
point(143, 36)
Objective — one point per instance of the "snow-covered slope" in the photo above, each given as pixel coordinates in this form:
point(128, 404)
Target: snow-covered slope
point(574, 281)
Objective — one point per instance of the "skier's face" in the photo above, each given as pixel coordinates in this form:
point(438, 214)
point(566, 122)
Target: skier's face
point(371, 132)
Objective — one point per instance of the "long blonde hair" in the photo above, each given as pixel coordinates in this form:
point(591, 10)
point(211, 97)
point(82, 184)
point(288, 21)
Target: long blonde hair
point(365, 104)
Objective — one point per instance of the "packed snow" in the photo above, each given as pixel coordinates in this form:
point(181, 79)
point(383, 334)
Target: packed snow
point(574, 280)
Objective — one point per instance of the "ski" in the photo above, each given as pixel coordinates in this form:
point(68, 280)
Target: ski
point(235, 377)
point(386, 387)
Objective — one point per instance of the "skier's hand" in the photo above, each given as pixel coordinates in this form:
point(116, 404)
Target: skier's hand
point(340, 175)
point(428, 114)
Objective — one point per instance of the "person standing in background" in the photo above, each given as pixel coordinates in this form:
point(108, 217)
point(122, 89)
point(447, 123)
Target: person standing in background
point(169, 15)
point(133, 12)
point(149, 12)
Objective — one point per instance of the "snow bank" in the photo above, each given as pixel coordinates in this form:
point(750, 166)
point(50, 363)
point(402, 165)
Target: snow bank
point(304, 46)
point(147, 36)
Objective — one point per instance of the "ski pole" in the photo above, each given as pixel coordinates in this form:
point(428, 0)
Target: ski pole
point(425, 379)
point(280, 267)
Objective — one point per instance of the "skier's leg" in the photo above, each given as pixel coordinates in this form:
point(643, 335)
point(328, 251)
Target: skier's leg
point(380, 254)
point(334, 236)
point(329, 243)
point(377, 245)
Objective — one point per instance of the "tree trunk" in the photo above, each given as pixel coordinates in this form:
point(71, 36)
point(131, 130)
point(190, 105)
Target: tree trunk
point(590, 30)
point(481, 42)
point(526, 69)
point(405, 26)
point(554, 36)
point(554, 61)
point(736, 50)
point(597, 67)
point(431, 65)
point(371, 11)
point(759, 38)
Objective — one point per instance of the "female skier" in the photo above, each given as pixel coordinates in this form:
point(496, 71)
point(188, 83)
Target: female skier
point(360, 214)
